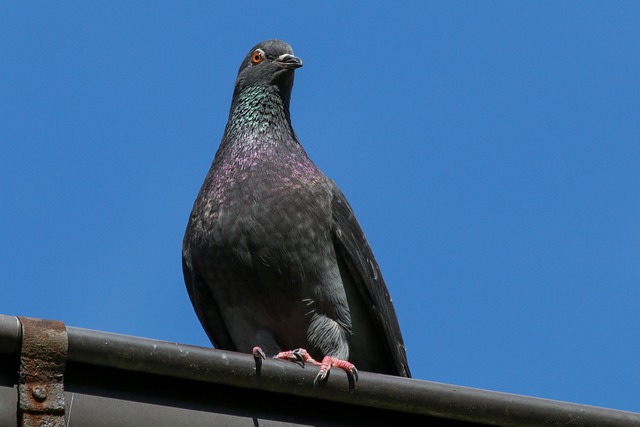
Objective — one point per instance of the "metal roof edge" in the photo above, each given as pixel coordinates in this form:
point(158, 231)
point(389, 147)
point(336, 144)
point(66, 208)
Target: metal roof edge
point(413, 396)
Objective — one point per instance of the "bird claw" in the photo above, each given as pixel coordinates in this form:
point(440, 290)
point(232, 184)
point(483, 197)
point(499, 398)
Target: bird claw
point(322, 375)
point(328, 362)
point(258, 356)
point(258, 353)
point(299, 355)
point(302, 356)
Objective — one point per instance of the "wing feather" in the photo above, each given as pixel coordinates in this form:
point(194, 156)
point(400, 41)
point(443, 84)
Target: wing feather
point(352, 246)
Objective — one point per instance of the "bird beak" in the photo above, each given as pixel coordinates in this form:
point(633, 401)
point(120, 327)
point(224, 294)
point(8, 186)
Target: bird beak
point(289, 61)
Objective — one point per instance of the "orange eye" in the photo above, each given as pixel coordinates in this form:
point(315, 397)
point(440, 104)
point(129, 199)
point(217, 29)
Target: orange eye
point(256, 57)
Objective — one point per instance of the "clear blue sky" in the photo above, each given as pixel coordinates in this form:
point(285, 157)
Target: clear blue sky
point(491, 151)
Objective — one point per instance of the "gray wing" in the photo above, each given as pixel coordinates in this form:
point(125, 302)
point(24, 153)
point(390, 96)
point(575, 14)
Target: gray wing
point(202, 300)
point(353, 248)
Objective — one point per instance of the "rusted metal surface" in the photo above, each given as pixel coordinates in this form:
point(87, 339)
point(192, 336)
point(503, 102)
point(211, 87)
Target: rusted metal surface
point(43, 357)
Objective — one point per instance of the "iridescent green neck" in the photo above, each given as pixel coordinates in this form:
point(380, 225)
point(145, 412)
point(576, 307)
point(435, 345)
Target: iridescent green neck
point(259, 110)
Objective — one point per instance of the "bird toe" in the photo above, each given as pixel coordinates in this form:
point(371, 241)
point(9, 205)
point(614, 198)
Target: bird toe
point(328, 362)
point(258, 353)
point(299, 355)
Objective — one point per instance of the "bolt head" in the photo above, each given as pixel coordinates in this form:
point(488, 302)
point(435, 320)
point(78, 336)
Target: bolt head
point(39, 393)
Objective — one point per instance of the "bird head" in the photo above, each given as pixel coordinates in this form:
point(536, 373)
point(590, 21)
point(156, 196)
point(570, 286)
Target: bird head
point(270, 63)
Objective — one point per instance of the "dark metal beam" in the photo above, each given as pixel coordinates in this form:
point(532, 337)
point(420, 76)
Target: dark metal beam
point(402, 395)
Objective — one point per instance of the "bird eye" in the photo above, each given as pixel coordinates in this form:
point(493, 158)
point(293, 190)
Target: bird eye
point(257, 57)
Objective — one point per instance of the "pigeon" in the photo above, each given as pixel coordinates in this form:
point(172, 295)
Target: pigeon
point(274, 260)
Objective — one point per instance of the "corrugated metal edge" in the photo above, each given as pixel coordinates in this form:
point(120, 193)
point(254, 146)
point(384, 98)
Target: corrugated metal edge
point(373, 390)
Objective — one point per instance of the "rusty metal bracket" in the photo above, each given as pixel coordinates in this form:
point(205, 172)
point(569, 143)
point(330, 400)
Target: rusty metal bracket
point(41, 378)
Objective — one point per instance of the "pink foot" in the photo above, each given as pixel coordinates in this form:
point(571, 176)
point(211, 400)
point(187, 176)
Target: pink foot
point(298, 355)
point(302, 356)
point(348, 367)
